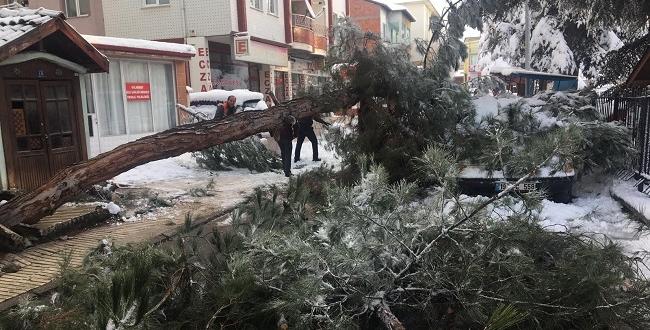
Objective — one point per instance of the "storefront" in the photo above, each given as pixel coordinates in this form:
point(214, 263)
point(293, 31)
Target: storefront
point(252, 66)
point(307, 76)
point(41, 115)
point(139, 95)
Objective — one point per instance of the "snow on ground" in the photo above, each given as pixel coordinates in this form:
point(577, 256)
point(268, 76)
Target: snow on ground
point(184, 167)
point(595, 211)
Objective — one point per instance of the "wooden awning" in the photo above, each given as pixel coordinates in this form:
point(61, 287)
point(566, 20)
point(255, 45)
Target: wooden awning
point(42, 30)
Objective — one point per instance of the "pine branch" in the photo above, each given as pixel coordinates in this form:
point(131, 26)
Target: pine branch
point(433, 36)
point(474, 212)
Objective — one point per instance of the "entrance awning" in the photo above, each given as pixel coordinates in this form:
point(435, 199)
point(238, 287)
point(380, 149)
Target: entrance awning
point(23, 29)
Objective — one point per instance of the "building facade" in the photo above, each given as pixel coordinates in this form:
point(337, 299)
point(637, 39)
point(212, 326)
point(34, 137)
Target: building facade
point(261, 45)
point(41, 114)
point(392, 22)
point(86, 16)
point(471, 68)
point(422, 10)
point(138, 96)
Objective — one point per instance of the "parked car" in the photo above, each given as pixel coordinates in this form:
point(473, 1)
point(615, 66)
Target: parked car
point(246, 99)
point(475, 180)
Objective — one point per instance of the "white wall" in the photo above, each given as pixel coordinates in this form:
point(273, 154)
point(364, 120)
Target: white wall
point(265, 25)
point(338, 7)
point(131, 19)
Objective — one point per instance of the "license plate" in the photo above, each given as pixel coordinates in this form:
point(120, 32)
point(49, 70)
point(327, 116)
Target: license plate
point(524, 186)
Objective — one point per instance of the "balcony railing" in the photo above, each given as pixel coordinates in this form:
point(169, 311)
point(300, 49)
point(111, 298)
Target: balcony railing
point(303, 21)
point(320, 29)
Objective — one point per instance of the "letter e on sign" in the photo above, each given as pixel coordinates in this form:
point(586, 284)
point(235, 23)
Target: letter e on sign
point(241, 47)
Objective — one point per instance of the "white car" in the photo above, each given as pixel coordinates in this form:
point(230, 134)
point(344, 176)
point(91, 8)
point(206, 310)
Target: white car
point(246, 99)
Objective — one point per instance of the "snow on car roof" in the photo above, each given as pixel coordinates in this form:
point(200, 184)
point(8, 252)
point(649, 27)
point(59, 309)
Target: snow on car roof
point(220, 95)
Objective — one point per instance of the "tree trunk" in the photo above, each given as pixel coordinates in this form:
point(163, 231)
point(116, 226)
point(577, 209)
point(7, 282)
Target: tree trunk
point(64, 186)
point(391, 322)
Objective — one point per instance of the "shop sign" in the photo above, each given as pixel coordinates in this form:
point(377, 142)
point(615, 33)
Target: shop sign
point(136, 91)
point(242, 46)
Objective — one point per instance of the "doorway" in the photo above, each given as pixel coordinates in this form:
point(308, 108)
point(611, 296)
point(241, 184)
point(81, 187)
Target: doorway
point(43, 130)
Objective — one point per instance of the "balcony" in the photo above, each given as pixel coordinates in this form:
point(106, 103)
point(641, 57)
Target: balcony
point(303, 32)
point(308, 36)
point(320, 39)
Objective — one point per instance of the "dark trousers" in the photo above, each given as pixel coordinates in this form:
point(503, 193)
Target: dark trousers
point(308, 133)
point(285, 151)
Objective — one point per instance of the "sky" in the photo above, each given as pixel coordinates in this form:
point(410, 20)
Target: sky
point(440, 5)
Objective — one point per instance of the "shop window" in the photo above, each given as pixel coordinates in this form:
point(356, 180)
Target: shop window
point(150, 110)
point(273, 7)
point(77, 8)
point(109, 99)
point(156, 2)
point(257, 4)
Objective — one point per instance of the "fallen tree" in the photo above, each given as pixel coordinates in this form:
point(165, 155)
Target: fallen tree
point(63, 187)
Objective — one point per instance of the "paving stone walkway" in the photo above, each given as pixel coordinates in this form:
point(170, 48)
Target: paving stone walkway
point(40, 265)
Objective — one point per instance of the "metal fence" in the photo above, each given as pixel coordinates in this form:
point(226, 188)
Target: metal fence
point(630, 105)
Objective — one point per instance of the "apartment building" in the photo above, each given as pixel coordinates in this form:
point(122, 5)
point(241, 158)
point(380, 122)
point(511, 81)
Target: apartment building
point(422, 10)
point(389, 20)
point(261, 45)
point(86, 16)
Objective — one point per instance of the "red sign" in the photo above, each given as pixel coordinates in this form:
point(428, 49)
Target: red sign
point(138, 91)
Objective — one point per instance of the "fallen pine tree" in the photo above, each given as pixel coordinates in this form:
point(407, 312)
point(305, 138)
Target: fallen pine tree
point(29, 208)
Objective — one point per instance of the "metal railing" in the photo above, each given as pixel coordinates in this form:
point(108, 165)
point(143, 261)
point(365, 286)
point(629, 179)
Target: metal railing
point(302, 21)
point(631, 106)
point(320, 29)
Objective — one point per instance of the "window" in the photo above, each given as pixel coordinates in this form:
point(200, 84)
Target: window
point(257, 4)
point(120, 116)
point(156, 2)
point(76, 8)
point(473, 59)
point(273, 7)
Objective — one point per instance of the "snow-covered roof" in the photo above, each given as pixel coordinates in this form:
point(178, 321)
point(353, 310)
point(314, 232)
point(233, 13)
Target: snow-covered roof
point(513, 70)
point(394, 7)
point(126, 44)
point(16, 21)
point(220, 95)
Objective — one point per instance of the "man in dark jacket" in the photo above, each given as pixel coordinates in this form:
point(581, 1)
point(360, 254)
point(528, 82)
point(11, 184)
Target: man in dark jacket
point(283, 135)
point(227, 108)
point(306, 129)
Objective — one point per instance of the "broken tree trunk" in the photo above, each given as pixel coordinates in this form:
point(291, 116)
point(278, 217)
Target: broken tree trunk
point(68, 183)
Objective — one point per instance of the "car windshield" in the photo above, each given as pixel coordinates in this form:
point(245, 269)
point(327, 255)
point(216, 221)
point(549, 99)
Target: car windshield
point(250, 104)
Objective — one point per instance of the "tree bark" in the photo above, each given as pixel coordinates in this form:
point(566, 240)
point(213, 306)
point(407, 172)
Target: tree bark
point(68, 183)
point(391, 322)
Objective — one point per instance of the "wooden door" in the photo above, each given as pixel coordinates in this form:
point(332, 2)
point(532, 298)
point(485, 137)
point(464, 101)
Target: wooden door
point(60, 124)
point(31, 162)
point(44, 130)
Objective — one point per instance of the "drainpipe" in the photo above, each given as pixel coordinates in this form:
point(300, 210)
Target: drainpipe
point(184, 20)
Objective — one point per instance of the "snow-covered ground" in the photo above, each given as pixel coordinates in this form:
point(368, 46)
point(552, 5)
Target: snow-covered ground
point(595, 211)
point(166, 172)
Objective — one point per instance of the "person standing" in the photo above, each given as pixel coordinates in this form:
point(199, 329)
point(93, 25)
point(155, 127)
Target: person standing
point(306, 130)
point(284, 135)
point(227, 108)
